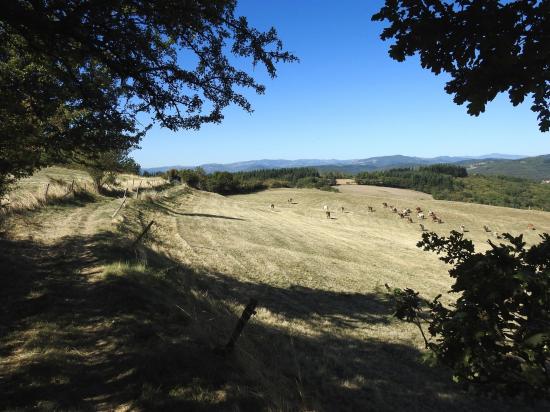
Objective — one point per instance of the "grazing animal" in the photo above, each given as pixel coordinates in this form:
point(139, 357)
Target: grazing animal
point(422, 228)
point(486, 228)
point(371, 209)
point(290, 200)
point(421, 216)
point(431, 213)
point(434, 218)
point(531, 226)
point(401, 215)
point(409, 219)
point(272, 206)
point(385, 204)
point(418, 209)
point(407, 210)
point(394, 210)
point(327, 214)
point(342, 209)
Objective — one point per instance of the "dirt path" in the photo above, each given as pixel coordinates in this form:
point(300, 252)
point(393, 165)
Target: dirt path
point(140, 338)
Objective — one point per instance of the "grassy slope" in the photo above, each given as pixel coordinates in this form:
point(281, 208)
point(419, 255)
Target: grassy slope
point(536, 168)
point(88, 323)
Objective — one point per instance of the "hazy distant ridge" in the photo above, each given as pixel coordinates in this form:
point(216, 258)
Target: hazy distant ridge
point(352, 165)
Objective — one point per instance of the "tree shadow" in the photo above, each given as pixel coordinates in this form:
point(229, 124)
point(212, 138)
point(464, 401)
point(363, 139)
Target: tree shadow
point(212, 216)
point(172, 211)
point(143, 337)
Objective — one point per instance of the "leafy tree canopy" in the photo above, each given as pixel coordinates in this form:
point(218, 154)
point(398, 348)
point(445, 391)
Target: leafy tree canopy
point(487, 46)
point(75, 74)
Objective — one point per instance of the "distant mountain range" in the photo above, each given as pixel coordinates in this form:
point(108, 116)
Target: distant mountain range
point(348, 166)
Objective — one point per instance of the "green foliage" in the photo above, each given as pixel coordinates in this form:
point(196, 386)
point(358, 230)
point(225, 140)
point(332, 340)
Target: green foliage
point(501, 191)
point(486, 47)
point(535, 168)
point(289, 174)
point(422, 179)
point(247, 182)
point(497, 333)
point(446, 169)
point(448, 182)
point(75, 75)
point(222, 183)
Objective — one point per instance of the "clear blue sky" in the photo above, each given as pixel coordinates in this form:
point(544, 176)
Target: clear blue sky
point(345, 99)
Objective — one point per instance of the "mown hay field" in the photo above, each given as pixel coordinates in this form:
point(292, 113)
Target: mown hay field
point(323, 337)
point(320, 282)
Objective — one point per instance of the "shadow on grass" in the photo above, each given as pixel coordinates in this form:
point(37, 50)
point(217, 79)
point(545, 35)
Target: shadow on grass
point(172, 211)
point(143, 336)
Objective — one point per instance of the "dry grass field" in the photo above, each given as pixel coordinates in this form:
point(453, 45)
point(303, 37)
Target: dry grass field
point(88, 322)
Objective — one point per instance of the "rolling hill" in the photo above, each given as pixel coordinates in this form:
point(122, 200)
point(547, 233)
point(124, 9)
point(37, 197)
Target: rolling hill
point(535, 168)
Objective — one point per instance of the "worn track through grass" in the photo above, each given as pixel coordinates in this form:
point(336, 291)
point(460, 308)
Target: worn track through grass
point(323, 338)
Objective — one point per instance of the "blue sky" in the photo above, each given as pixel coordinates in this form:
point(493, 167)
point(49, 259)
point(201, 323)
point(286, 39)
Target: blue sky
point(345, 99)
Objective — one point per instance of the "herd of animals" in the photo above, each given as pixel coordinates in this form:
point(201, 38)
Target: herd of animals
point(406, 214)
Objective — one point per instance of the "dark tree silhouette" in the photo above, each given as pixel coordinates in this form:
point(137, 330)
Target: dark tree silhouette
point(487, 46)
point(74, 74)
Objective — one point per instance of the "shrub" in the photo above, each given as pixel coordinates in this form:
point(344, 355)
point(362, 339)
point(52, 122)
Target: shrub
point(497, 333)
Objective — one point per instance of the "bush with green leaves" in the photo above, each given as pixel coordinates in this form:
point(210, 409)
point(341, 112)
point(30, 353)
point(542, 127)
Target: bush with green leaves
point(496, 334)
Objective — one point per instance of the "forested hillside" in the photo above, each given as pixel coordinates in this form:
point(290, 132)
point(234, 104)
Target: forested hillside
point(450, 182)
point(535, 168)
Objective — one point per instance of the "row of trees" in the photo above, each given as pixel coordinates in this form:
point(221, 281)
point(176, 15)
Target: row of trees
point(246, 182)
point(427, 179)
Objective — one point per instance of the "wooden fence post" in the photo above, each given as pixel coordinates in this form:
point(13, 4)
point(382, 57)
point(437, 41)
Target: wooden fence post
point(137, 191)
point(122, 204)
point(248, 311)
point(143, 233)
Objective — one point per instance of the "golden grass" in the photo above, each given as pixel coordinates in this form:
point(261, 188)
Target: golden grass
point(321, 280)
point(323, 338)
point(53, 185)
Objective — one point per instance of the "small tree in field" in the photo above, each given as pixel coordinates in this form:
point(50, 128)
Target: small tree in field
point(497, 333)
point(103, 169)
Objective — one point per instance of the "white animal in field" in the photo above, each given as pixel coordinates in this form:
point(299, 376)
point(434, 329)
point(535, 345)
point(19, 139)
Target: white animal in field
point(421, 216)
point(325, 208)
